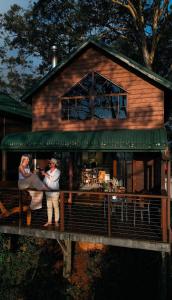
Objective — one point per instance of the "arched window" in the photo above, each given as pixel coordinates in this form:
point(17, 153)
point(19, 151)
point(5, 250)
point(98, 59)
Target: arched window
point(94, 97)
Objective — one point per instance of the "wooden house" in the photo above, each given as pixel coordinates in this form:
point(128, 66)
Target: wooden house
point(103, 114)
point(101, 101)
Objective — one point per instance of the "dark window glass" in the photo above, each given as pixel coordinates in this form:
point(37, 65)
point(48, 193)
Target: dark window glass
point(53, 99)
point(105, 108)
point(87, 83)
point(122, 107)
point(77, 90)
point(108, 100)
point(104, 86)
point(76, 109)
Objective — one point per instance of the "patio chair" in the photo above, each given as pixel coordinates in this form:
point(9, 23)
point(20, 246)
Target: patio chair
point(117, 203)
point(142, 206)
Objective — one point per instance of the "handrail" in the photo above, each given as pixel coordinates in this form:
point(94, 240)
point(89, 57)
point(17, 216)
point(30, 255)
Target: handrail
point(152, 196)
point(160, 216)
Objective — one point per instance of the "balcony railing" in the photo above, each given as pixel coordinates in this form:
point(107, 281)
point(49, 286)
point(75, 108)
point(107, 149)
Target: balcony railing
point(128, 216)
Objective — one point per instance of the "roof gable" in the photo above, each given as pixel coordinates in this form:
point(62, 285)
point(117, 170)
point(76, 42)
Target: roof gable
point(136, 67)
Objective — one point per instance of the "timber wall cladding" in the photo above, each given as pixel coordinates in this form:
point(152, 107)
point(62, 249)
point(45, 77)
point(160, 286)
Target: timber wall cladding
point(10, 124)
point(145, 102)
point(138, 175)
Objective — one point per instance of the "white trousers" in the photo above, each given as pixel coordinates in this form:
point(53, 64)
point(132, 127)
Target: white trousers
point(53, 203)
point(36, 202)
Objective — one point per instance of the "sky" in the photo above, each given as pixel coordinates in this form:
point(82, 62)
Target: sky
point(5, 4)
point(4, 7)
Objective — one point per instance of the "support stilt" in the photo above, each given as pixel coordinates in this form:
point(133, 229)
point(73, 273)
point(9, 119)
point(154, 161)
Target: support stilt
point(163, 277)
point(66, 247)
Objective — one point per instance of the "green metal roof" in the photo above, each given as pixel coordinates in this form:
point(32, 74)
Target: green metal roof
point(10, 105)
point(152, 140)
point(114, 54)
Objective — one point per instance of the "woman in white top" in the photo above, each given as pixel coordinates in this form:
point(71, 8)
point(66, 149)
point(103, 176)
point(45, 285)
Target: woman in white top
point(26, 178)
point(51, 180)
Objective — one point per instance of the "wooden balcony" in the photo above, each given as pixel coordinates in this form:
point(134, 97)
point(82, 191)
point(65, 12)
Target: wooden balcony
point(125, 220)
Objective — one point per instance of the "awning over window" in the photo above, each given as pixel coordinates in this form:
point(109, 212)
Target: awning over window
point(151, 140)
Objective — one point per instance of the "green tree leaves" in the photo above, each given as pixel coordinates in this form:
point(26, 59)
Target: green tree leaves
point(140, 29)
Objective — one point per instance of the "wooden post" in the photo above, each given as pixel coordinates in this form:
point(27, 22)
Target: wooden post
point(109, 215)
point(61, 211)
point(163, 165)
point(163, 277)
point(70, 174)
point(4, 166)
point(67, 259)
point(134, 176)
point(165, 203)
point(114, 168)
point(169, 199)
point(169, 275)
point(66, 247)
point(164, 218)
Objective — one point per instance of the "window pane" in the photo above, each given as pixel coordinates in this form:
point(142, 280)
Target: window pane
point(65, 110)
point(75, 109)
point(104, 86)
point(114, 100)
point(87, 83)
point(122, 100)
point(83, 109)
point(122, 107)
point(104, 108)
point(77, 90)
point(99, 82)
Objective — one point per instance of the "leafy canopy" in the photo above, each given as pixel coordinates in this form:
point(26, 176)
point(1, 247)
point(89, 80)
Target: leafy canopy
point(138, 28)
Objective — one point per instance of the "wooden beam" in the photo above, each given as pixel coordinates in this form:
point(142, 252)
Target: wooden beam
point(4, 166)
point(67, 259)
point(86, 238)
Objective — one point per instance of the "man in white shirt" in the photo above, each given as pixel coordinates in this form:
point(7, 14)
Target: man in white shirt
point(51, 180)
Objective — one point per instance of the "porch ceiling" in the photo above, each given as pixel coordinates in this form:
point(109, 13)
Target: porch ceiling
point(152, 140)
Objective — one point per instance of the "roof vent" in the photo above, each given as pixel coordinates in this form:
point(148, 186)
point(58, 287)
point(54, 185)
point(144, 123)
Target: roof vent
point(54, 56)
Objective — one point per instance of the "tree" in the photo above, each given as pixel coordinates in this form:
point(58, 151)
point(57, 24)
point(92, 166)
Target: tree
point(16, 65)
point(140, 29)
point(150, 20)
point(30, 268)
point(19, 257)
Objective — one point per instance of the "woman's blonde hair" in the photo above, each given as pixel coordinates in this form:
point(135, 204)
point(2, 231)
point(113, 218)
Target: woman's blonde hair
point(23, 158)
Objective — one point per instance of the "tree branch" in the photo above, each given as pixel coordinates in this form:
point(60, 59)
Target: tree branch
point(130, 7)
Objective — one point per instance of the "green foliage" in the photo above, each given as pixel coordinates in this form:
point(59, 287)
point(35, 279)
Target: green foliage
point(28, 269)
point(29, 34)
point(19, 258)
